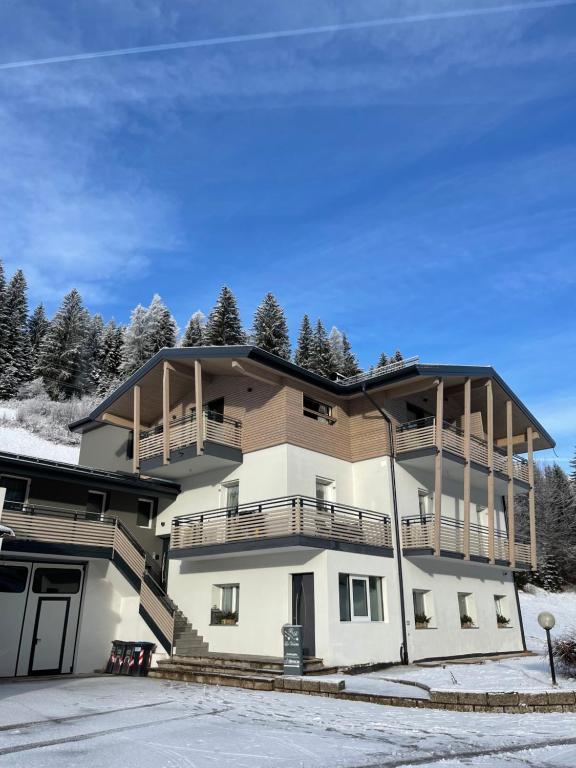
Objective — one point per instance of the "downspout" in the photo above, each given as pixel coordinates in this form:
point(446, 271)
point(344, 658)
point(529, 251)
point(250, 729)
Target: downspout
point(404, 646)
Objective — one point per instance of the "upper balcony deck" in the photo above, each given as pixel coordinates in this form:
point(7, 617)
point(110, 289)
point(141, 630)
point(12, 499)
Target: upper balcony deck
point(422, 433)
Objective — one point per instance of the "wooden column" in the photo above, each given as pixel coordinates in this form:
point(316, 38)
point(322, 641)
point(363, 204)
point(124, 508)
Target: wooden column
point(438, 466)
point(510, 470)
point(490, 448)
point(467, 409)
point(166, 413)
point(199, 407)
point(532, 499)
point(136, 425)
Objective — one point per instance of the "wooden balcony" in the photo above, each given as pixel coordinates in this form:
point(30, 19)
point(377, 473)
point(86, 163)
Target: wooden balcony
point(284, 522)
point(184, 432)
point(418, 537)
point(415, 435)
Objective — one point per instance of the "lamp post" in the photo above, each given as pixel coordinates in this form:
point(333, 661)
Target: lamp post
point(547, 621)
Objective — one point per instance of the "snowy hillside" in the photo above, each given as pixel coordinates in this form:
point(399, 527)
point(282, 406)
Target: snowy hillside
point(16, 439)
point(562, 605)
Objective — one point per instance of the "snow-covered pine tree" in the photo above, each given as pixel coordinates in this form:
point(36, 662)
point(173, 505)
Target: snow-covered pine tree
point(397, 357)
point(5, 357)
point(112, 341)
point(383, 360)
point(573, 472)
point(224, 326)
point(17, 341)
point(270, 329)
point(162, 329)
point(135, 347)
point(321, 358)
point(303, 354)
point(93, 354)
point(548, 576)
point(37, 326)
point(350, 366)
point(62, 360)
point(194, 333)
point(335, 339)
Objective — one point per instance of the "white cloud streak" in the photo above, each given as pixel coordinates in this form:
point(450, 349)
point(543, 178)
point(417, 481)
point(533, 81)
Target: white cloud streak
point(464, 13)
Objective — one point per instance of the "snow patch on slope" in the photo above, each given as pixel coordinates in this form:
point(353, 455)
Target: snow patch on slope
point(19, 440)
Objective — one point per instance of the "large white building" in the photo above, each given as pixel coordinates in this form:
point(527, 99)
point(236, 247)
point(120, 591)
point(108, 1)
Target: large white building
point(378, 512)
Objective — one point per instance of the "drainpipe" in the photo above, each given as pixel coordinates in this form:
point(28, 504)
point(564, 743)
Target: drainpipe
point(404, 646)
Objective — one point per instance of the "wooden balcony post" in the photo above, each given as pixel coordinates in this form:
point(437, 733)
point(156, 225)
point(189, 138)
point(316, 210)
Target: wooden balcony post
point(438, 467)
point(467, 409)
point(199, 407)
point(510, 471)
point(490, 449)
point(532, 499)
point(136, 425)
point(166, 413)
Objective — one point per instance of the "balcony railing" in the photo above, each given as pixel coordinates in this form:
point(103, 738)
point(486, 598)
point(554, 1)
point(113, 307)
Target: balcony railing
point(184, 431)
point(422, 434)
point(418, 533)
point(275, 518)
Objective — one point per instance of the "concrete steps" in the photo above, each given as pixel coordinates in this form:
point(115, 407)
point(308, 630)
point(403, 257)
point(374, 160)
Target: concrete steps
point(187, 641)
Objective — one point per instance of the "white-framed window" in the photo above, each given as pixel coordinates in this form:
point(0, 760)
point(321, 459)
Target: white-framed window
point(423, 609)
point(96, 504)
point(325, 492)
point(503, 614)
point(231, 494)
point(467, 610)
point(361, 598)
point(17, 490)
point(145, 513)
point(424, 503)
point(225, 604)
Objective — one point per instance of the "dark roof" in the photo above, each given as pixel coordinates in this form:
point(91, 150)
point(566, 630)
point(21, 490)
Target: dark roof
point(286, 367)
point(58, 469)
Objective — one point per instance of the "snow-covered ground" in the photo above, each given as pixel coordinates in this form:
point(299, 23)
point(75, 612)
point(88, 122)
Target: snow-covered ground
point(520, 674)
point(144, 723)
point(15, 439)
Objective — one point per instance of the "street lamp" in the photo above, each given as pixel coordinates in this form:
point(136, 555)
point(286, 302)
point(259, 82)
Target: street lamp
point(547, 621)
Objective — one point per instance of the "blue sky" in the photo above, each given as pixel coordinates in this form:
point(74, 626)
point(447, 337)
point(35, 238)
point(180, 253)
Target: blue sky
point(413, 184)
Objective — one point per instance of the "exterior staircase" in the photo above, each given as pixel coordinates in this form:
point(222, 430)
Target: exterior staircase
point(187, 641)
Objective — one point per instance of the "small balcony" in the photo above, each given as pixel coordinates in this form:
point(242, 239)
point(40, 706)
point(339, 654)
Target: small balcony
point(289, 522)
point(222, 444)
point(421, 434)
point(418, 538)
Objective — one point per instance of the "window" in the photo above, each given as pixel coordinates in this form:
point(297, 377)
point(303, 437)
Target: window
point(56, 581)
point(215, 410)
point(424, 503)
point(360, 598)
point(232, 494)
point(130, 445)
point(317, 411)
point(467, 610)
point(423, 616)
point(502, 611)
point(13, 578)
point(16, 490)
point(324, 492)
point(96, 505)
point(145, 513)
point(225, 604)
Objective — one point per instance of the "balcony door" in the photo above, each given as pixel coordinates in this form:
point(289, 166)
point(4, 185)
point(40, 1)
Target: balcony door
point(303, 610)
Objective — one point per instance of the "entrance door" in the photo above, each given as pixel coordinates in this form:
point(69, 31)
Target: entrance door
point(49, 635)
point(303, 609)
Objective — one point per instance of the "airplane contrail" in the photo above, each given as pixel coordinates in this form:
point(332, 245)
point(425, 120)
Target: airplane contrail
point(287, 33)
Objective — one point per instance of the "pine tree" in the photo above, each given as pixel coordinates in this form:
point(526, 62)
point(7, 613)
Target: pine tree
point(224, 326)
point(336, 341)
point(17, 341)
point(135, 348)
point(194, 333)
point(93, 353)
point(5, 357)
point(573, 472)
point(270, 329)
point(37, 326)
point(321, 358)
point(350, 366)
point(383, 360)
point(303, 354)
point(62, 360)
point(112, 341)
point(397, 357)
point(162, 329)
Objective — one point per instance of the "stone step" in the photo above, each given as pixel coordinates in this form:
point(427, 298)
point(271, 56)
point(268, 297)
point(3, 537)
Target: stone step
point(256, 664)
point(214, 678)
point(203, 665)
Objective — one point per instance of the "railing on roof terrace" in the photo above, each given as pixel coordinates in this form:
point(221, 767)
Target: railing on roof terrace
point(380, 371)
point(286, 516)
point(183, 431)
point(421, 433)
point(418, 533)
